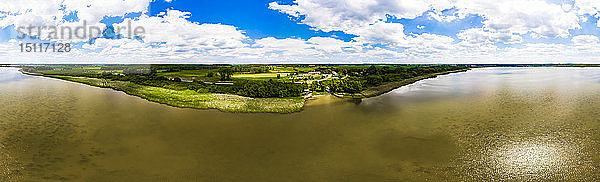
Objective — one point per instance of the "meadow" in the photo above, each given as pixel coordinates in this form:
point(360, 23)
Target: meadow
point(192, 99)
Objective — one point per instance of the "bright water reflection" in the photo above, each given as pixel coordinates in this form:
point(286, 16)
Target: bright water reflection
point(538, 160)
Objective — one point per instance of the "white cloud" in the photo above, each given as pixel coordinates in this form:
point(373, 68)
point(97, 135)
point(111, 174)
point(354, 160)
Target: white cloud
point(175, 30)
point(52, 12)
point(541, 18)
point(585, 40)
point(94, 11)
point(382, 33)
point(36, 12)
point(348, 15)
point(587, 7)
point(590, 7)
point(331, 45)
point(480, 36)
point(586, 44)
point(503, 21)
point(60, 13)
point(172, 37)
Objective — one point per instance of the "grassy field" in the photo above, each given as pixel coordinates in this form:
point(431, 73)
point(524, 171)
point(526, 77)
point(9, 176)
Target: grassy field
point(191, 99)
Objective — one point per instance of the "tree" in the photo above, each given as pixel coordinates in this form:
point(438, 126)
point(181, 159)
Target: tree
point(372, 70)
point(225, 73)
point(374, 80)
point(352, 86)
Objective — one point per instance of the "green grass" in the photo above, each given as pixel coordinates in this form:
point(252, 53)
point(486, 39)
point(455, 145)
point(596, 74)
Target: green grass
point(191, 99)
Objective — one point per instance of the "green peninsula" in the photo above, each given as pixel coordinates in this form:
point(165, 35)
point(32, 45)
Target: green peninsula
point(244, 88)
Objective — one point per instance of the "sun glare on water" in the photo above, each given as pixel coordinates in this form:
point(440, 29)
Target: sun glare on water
point(533, 159)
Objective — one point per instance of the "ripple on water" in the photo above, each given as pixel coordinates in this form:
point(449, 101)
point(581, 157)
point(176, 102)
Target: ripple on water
point(505, 124)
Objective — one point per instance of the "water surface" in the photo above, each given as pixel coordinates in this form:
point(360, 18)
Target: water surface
point(491, 124)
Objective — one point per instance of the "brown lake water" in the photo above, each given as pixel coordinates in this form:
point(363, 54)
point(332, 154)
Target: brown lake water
point(488, 124)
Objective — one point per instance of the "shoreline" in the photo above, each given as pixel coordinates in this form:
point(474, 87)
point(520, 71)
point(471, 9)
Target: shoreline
point(383, 89)
point(233, 103)
point(29, 73)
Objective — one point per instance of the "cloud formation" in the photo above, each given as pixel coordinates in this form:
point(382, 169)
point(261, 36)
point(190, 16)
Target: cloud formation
point(510, 31)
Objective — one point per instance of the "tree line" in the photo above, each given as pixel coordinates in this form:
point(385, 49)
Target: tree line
point(248, 88)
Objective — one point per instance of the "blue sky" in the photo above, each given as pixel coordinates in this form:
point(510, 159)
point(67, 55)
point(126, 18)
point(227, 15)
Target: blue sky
point(312, 31)
point(254, 17)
